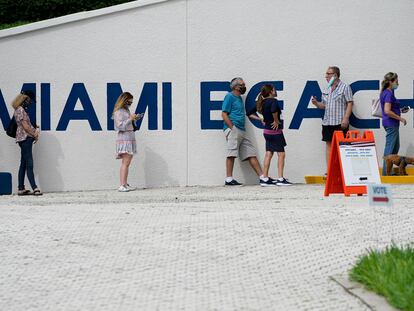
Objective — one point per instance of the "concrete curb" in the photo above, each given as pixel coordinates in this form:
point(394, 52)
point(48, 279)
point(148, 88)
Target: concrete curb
point(370, 299)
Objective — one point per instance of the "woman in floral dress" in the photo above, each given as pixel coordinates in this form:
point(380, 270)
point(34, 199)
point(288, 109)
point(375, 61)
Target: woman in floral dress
point(126, 145)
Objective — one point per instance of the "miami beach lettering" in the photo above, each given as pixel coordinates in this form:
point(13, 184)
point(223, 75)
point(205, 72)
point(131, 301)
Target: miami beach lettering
point(148, 103)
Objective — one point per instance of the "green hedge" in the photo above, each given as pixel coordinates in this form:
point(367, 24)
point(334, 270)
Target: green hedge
point(12, 11)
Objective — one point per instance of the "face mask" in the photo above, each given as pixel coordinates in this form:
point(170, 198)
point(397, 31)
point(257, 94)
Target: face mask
point(242, 89)
point(26, 103)
point(331, 81)
point(394, 86)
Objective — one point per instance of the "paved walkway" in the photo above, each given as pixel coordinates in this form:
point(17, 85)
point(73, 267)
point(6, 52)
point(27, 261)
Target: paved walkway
point(196, 248)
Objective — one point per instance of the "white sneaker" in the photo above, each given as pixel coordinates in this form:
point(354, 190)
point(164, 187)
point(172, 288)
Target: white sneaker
point(130, 188)
point(123, 189)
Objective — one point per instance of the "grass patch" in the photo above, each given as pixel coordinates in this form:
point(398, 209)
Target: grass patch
point(389, 273)
point(6, 26)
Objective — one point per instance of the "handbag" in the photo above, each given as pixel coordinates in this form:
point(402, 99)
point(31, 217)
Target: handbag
point(376, 110)
point(12, 128)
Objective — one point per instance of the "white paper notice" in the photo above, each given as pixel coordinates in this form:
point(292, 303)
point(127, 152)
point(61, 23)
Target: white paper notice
point(359, 163)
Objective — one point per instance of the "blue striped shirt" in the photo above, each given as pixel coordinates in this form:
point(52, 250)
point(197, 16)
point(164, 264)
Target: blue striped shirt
point(335, 103)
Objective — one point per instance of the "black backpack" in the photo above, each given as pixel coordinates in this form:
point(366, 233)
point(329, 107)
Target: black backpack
point(12, 128)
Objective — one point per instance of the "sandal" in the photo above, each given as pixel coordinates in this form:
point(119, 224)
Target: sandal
point(37, 192)
point(23, 192)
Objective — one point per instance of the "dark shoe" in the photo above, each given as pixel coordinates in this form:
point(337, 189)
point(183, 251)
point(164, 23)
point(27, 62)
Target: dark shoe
point(273, 180)
point(268, 183)
point(24, 192)
point(37, 192)
point(232, 183)
point(283, 182)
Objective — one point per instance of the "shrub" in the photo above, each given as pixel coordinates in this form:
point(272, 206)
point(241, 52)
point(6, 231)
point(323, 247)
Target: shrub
point(14, 11)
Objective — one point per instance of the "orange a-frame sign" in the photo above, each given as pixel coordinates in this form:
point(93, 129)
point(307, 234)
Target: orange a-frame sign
point(352, 163)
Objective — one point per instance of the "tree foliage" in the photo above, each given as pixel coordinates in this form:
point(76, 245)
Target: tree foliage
point(12, 11)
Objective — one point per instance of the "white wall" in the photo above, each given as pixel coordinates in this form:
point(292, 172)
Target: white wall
point(187, 42)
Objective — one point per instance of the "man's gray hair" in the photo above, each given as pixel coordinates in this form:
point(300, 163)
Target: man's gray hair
point(335, 70)
point(235, 81)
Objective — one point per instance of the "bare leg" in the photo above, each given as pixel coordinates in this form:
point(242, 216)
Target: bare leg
point(266, 163)
point(328, 153)
point(126, 161)
point(229, 166)
point(256, 166)
point(281, 163)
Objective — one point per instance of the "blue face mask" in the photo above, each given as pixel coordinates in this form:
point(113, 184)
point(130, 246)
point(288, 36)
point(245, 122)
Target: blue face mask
point(394, 86)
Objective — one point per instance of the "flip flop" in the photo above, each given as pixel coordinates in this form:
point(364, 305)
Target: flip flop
point(37, 192)
point(23, 192)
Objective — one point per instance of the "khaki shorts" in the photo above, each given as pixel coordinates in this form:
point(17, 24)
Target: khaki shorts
point(238, 145)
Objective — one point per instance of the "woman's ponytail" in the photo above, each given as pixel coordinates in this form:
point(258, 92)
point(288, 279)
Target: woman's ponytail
point(259, 104)
point(264, 92)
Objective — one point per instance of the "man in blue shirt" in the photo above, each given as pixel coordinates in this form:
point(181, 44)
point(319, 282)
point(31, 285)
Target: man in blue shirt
point(238, 144)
